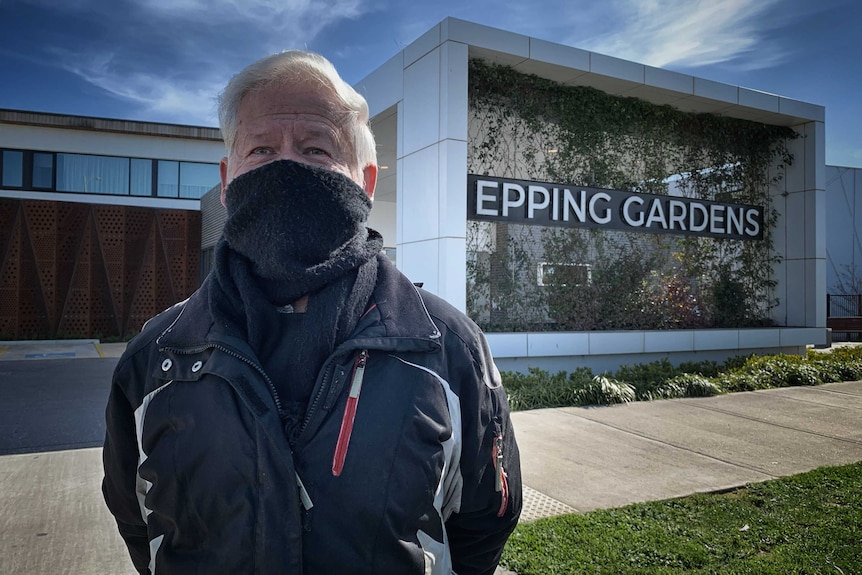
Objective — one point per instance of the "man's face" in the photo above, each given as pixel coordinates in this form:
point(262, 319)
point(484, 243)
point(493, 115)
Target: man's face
point(298, 122)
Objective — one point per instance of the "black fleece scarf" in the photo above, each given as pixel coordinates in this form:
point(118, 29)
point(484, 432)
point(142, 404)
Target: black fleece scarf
point(294, 230)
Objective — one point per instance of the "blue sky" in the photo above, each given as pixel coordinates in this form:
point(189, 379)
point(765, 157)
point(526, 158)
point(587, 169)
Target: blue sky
point(165, 60)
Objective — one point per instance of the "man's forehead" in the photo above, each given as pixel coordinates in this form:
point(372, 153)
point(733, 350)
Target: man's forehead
point(292, 98)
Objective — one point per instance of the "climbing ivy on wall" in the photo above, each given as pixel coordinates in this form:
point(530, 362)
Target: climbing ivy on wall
point(526, 127)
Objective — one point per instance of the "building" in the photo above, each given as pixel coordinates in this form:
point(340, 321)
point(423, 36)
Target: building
point(426, 125)
point(844, 221)
point(442, 206)
point(100, 222)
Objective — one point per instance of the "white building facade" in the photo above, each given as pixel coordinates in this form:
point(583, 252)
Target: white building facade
point(420, 116)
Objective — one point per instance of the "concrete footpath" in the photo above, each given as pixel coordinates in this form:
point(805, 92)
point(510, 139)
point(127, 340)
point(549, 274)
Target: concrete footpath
point(52, 519)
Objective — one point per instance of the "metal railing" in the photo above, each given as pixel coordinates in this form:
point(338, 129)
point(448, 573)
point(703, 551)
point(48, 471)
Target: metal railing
point(844, 305)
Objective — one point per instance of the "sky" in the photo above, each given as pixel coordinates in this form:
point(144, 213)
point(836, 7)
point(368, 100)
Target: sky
point(166, 60)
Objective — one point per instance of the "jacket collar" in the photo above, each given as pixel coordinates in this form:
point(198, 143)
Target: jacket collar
point(396, 319)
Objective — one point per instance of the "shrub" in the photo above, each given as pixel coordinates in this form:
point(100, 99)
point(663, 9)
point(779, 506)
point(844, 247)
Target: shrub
point(706, 368)
point(737, 381)
point(538, 388)
point(602, 390)
point(695, 385)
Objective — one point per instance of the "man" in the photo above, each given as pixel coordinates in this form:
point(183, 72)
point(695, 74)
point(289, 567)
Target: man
point(307, 410)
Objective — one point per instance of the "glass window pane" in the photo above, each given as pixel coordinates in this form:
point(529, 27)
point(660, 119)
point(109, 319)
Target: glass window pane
point(43, 170)
point(142, 177)
point(169, 178)
point(92, 174)
point(197, 179)
point(13, 168)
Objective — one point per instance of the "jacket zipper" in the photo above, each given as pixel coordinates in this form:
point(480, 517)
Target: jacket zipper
point(304, 497)
point(343, 442)
point(244, 359)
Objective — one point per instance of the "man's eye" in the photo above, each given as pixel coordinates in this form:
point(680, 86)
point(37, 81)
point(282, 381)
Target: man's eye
point(316, 151)
point(262, 151)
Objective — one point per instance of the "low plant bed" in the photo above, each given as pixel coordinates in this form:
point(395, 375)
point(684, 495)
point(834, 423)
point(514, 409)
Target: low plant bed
point(662, 380)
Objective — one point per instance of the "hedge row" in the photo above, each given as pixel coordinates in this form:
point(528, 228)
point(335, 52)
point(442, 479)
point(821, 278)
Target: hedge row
point(662, 380)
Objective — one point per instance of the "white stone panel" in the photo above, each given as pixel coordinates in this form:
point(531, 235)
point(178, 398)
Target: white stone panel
point(794, 174)
point(453, 91)
point(413, 261)
point(795, 283)
point(668, 341)
point(815, 291)
point(795, 222)
point(796, 337)
point(485, 37)
point(510, 345)
point(716, 91)
point(452, 271)
point(577, 61)
point(815, 156)
point(617, 68)
point(682, 83)
point(557, 344)
point(815, 224)
point(615, 342)
point(418, 201)
point(384, 87)
point(801, 109)
point(453, 189)
point(759, 338)
point(758, 100)
point(422, 45)
point(716, 339)
point(421, 117)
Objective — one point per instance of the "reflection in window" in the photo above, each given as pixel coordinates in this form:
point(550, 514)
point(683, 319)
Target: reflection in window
point(197, 179)
point(13, 168)
point(169, 178)
point(92, 174)
point(43, 170)
point(141, 179)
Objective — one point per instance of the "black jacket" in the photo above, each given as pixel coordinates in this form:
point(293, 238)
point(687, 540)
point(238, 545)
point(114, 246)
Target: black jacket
point(406, 462)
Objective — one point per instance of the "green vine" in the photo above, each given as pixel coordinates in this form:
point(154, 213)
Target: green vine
point(526, 127)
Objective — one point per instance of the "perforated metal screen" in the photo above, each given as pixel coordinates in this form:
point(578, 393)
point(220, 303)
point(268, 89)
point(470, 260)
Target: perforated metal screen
point(94, 271)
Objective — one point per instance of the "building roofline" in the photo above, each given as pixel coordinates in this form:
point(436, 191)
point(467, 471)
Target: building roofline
point(574, 66)
point(93, 124)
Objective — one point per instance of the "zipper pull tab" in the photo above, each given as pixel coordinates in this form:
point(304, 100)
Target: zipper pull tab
point(304, 498)
point(498, 463)
point(349, 414)
point(501, 484)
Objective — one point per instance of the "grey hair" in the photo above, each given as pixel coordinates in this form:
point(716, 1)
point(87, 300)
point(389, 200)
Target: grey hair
point(294, 66)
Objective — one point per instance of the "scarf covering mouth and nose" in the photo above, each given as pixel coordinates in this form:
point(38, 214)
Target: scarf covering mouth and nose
point(287, 217)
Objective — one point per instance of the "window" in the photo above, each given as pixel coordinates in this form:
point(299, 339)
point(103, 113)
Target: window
point(106, 175)
point(141, 178)
point(563, 275)
point(197, 179)
point(13, 169)
point(92, 174)
point(169, 179)
point(43, 170)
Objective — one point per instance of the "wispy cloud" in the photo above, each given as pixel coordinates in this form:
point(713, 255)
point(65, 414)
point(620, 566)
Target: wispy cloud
point(689, 33)
point(171, 57)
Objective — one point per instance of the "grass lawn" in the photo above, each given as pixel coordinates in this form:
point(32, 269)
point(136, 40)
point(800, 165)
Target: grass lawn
point(805, 524)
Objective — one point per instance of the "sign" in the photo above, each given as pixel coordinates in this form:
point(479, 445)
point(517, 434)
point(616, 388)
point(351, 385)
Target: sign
point(546, 204)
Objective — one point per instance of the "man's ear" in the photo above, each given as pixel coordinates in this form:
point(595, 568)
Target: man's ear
point(369, 179)
point(222, 170)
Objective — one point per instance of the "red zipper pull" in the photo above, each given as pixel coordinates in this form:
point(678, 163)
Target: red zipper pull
point(501, 484)
point(349, 413)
